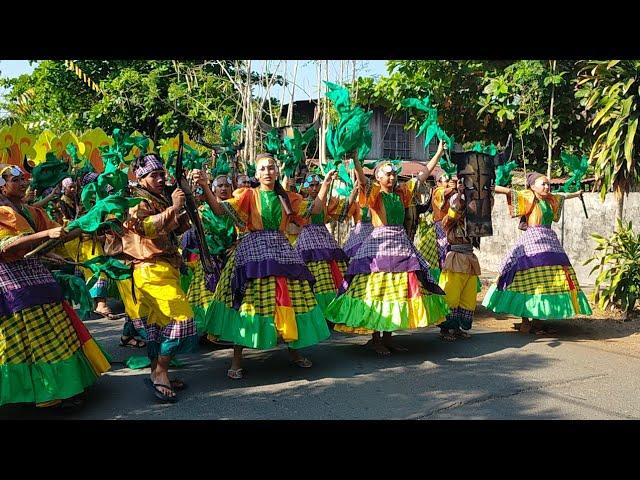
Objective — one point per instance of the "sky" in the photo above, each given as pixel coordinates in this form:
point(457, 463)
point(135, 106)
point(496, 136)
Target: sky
point(307, 74)
point(306, 79)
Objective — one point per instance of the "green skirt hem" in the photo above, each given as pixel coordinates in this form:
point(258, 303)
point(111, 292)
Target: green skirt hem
point(42, 382)
point(384, 316)
point(553, 306)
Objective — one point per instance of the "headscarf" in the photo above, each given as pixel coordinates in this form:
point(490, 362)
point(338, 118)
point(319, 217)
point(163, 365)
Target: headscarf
point(147, 164)
point(532, 177)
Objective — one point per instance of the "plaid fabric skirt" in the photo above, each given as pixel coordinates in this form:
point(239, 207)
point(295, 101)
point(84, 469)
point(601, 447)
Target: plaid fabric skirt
point(536, 280)
point(426, 242)
point(325, 279)
point(315, 242)
point(536, 264)
point(386, 301)
point(263, 254)
point(42, 357)
point(223, 292)
point(272, 306)
point(202, 286)
point(37, 334)
point(260, 297)
point(26, 283)
point(388, 249)
point(200, 294)
point(443, 244)
point(356, 238)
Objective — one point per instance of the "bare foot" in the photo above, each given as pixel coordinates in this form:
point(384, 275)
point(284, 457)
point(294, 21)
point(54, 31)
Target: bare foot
point(462, 334)
point(393, 347)
point(379, 348)
point(298, 359)
point(525, 328)
point(103, 309)
point(159, 381)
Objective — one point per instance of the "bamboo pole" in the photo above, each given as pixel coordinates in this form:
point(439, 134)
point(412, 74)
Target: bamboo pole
point(321, 136)
point(283, 92)
point(293, 91)
point(550, 144)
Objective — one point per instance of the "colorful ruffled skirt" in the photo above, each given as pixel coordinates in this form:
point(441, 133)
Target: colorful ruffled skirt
point(265, 293)
point(201, 290)
point(46, 352)
point(443, 243)
point(426, 242)
point(390, 287)
point(536, 280)
point(357, 236)
point(326, 261)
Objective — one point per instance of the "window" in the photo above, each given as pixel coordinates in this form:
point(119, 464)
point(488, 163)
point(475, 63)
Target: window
point(396, 142)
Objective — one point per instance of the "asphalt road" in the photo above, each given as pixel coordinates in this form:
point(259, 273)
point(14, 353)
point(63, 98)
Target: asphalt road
point(493, 375)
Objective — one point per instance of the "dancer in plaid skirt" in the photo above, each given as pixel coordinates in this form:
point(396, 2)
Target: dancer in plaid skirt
point(425, 238)
point(151, 244)
point(221, 305)
point(536, 279)
point(390, 286)
point(221, 235)
point(319, 250)
point(47, 356)
point(446, 186)
point(271, 287)
point(362, 230)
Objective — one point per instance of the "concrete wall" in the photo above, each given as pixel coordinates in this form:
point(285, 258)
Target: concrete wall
point(576, 228)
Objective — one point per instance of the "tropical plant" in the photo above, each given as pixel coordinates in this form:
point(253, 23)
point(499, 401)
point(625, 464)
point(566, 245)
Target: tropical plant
point(618, 280)
point(608, 90)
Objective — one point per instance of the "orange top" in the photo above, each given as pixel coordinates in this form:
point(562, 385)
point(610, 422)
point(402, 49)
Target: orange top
point(14, 225)
point(256, 209)
point(537, 211)
point(386, 208)
point(440, 202)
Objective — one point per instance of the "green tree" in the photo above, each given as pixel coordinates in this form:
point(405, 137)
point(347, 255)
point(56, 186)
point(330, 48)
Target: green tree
point(608, 91)
point(453, 86)
point(156, 97)
point(535, 99)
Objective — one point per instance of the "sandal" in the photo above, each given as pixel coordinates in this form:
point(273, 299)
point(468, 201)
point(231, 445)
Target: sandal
point(235, 373)
point(448, 337)
point(302, 362)
point(462, 334)
point(158, 393)
point(395, 348)
point(381, 349)
point(132, 342)
point(178, 384)
point(110, 315)
point(545, 331)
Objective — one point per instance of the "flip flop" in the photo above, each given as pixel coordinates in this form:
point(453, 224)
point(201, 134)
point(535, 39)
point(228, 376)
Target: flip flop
point(110, 316)
point(158, 394)
point(380, 353)
point(462, 334)
point(126, 342)
point(396, 348)
point(302, 362)
point(177, 384)
point(448, 337)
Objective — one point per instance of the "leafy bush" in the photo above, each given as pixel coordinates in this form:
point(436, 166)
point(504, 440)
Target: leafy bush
point(618, 262)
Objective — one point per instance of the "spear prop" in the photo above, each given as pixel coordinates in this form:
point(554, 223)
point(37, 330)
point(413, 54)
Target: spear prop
point(192, 211)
